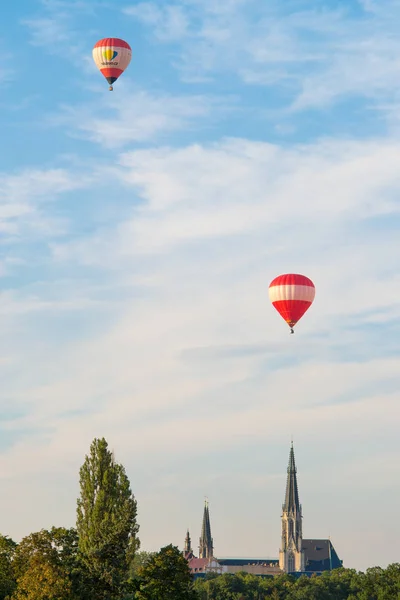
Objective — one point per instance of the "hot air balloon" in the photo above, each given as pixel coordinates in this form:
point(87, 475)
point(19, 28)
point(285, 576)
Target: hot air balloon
point(112, 56)
point(291, 295)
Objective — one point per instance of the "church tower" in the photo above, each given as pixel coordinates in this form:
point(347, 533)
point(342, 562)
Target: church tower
point(291, 557)
point(206, 549)
point(188, 544)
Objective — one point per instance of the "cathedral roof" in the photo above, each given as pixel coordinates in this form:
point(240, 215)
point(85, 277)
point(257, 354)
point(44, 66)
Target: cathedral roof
point(320, 555)
point(292, 494)
point(248, 561)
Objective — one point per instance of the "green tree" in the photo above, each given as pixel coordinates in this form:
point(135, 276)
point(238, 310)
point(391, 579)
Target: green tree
point(140, 560)
point(55, 551)
point(59, 546)
point(7, 579)
point(380, 584)
point(43, 580)
point(341, 584)
point(106, 522)
point(166, 576)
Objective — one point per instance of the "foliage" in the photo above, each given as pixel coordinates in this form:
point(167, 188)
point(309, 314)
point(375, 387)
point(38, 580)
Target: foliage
point(106, 522)
point(166, 576)
point(140, 560)
point(341, 584)
point(46, 566)
point(43, 580)
point(47, 556)
point(58, 546)
point(7, 579)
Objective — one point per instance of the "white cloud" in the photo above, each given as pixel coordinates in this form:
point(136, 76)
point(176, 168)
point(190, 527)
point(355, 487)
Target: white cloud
point(138, 116)
point(319, 54)
point(240, 188)
point(170, 21)
point(24, 196)
point(60, 29)
point(36, 184)
point(47, 32)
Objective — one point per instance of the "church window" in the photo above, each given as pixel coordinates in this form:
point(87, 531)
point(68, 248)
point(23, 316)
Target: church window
point(290, 563)
point(290, 528)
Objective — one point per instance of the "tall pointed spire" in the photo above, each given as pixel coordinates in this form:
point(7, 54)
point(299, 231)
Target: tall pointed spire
point(291, 555)
point(188, 544)
point(292, 494)
point(206, 548)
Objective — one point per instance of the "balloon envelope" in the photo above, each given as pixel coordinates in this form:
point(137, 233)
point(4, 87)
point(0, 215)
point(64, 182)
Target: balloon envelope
point(112, 56)
point(292, 295)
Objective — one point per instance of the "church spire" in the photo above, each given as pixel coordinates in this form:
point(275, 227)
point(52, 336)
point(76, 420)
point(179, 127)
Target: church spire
point(292, 503)
point(206, 542)
point(188, 543)
point(291, 555)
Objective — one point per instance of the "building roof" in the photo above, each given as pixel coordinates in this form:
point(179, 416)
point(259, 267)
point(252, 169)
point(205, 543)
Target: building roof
point(292, 503)
point(320, 555)
point(198, 563)
point(248, 561)
point(203, 565)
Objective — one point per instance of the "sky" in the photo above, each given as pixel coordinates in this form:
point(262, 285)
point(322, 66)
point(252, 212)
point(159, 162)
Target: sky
point(139, 232)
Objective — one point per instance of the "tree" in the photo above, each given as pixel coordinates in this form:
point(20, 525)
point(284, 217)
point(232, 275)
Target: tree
point(59, 546)
point(140, 560)
point(106, 522)
point(43, 580)
point(47, 556)
point(166, 576)
point(7, 579)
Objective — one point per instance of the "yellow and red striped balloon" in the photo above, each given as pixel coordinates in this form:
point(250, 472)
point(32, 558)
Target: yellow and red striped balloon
point(292, 295)
point(112, 56)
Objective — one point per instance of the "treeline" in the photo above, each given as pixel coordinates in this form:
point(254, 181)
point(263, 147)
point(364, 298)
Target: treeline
point(99, 559)
point(340, 584)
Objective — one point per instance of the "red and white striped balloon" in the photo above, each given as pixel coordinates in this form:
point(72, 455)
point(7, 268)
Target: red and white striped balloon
point(291, 295)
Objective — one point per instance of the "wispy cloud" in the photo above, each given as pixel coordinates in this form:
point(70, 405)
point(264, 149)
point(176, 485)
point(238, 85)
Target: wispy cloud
point(318, 54)
point(24, 195)
point(139, 116)
point(198, 236)
point(170, 22)
point(47, 31)
point(197, 193)
point(57, 28)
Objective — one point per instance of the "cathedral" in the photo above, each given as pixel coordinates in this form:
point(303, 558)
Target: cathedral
point(297, 556)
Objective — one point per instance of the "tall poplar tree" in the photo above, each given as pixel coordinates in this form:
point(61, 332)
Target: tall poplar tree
point(106, 522)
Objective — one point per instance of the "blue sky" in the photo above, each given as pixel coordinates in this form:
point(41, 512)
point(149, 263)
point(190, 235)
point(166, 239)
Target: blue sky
point(139, 231)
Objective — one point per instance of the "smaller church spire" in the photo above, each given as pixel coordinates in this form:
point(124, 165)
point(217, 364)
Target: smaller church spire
point(188, 543)
point(206, 548)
